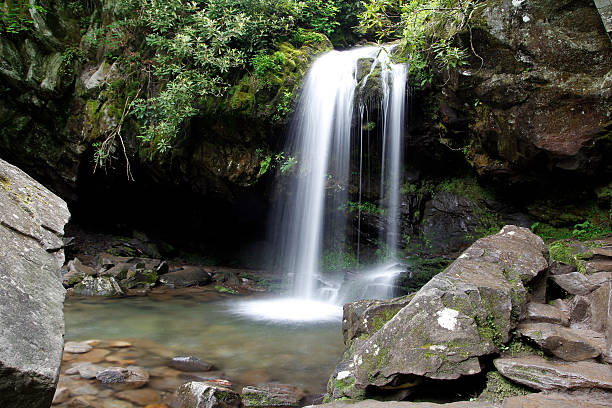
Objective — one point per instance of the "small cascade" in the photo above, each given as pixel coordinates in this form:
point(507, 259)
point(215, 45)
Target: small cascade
point(323, 141)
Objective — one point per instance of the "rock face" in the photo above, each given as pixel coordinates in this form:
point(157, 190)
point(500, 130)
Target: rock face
point(463, 313)
point(541, 374)
point(32, 223)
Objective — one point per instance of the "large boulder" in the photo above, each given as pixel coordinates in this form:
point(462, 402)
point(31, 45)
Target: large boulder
point(462, 314)
point(32, 223)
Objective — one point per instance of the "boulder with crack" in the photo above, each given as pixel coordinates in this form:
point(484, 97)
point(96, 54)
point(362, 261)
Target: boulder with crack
point(461, 315)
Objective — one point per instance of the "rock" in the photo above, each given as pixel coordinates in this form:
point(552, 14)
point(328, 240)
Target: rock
point(122, 378)
point(138, 276)
point(557, 268)
point(448, 218)
point(542, 313)
point(162, 268)
point(188, 276)
point(32, 223)
point(580, 311)
point(539, 373)
point(94, 356)
point(366, 317)
point(561, 305)
point(101, 286)
point(143, 396)
point(86, 371)
point(74, 272)
point(118, 271)
point(574, 283)
point(563, 342)
point(77, 347)
point(61, 395)
point(599, 308)
point(553, 400)
point(403, 404)
point(120, 344)
point(190, 363)
point(201, 395)
point(271, 395)
point(461, 314)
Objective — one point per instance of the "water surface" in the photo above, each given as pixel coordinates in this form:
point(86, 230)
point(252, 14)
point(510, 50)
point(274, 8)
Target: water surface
point(246, 350)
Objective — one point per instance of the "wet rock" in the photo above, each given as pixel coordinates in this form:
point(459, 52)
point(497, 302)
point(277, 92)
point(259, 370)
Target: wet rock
point(77, 347)
point(32, 223)
point(563, 342)
point(201, 395)
point(543, 313)
point(100, 286)
point(271, 395)
point(61, 395)
point(461, 314)
point(189, 363)
point(94, 356)
point(188, 276)
point(539, 373)
point(138, 276)
point(118, 271)
point(86, 371)
point(74, 272)
point(162, 268)
point(143, 396)
point(448, 219)
point(120, 344)
point(366, 317)
point(579, 308)
point(574, 283)
point(122, 378)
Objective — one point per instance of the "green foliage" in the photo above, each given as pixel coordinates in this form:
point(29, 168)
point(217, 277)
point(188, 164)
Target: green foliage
point(563, 251)
point(266, 65)
point(499, 388)
point(286, 164)
point(428, 29)
point(338, 260)
point(283, 108)
point(15, 16)
point(364, 207)
point(320, 14)
point(587, 230)
point(549, 233)
point(421, 271)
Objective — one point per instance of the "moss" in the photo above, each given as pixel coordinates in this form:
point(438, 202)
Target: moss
point(499, 388)
point(380, 319)
point(563, 251)
point(223, 289)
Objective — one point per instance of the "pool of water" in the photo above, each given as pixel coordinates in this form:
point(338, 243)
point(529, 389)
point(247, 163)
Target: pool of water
point(247, 350)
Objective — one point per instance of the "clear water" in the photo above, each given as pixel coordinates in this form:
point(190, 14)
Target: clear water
point(246, 350)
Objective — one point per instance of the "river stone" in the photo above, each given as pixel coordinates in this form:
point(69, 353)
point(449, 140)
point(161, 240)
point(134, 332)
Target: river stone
point(188, 276)
point(61, 395)
point(543, 313)
point(539, 373)
point(143, 396)
point(100, 286)
point(461, 314)
point(566, 343)
point(76, 347)
point(32, 223)
point(202, 395)
point(122, 378)
point(189, 363)
point(271, 395)
point(574, 283)
point(86, 371)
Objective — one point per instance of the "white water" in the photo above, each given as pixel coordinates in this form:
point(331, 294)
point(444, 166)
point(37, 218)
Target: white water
point(320, 140)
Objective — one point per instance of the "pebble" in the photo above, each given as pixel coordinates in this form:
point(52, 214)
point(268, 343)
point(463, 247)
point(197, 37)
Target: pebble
point(61, 395)
point(122, 378)
point(189, 363)
point(94, 356)
point(120, 344)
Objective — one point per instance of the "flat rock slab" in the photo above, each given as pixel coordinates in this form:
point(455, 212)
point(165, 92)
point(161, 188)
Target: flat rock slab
point(553, 400)
point(574, 283)
point(123, 378)
point(539, 373)
point(188, 276)
point(565, 343)
point(403, 404)
point(32, 223)
point(271, 395)
point(543, 313)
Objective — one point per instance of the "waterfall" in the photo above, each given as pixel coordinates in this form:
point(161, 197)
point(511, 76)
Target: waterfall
point(322, 141)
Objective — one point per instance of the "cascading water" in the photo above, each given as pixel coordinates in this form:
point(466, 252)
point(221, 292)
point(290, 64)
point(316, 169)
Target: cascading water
point(320, 141)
